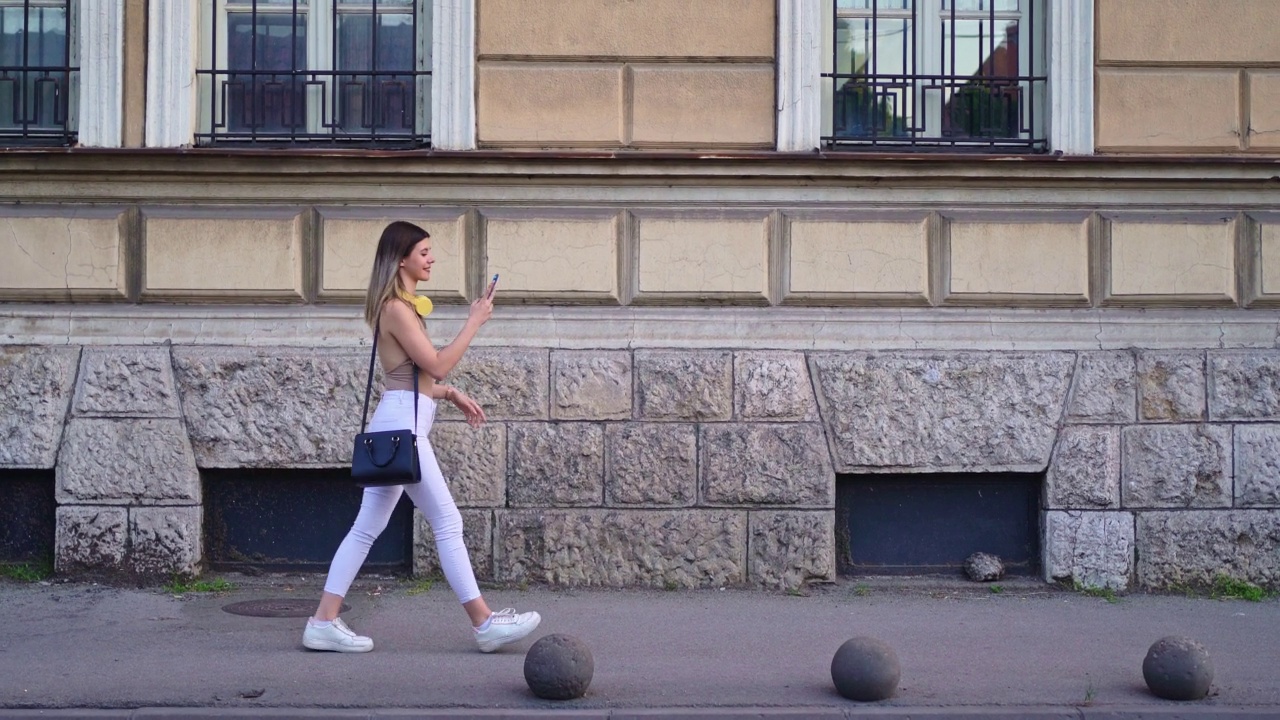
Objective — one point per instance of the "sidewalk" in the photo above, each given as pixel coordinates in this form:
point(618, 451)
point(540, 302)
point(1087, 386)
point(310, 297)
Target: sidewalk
point(1030, 651)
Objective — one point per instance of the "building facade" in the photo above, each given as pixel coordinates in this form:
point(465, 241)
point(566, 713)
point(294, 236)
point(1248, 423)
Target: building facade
point(786, 285)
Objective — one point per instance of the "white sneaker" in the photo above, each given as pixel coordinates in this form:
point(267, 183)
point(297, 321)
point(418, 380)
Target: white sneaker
point(336, 637)
point(506, 626)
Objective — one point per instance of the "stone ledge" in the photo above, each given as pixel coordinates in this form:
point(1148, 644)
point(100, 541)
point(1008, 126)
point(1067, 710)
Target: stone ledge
point(623, 328)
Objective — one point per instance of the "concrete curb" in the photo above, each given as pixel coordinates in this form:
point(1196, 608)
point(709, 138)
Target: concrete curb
point(1171, 710)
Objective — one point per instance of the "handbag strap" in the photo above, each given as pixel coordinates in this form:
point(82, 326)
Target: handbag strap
point(368, 388)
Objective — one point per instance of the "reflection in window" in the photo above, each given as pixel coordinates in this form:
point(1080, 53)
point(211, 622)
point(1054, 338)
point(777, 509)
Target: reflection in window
point(38, 73)
point(936, 73)
point(339, 71)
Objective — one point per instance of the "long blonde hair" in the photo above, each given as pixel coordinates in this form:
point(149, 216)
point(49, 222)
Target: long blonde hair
point(397, 241)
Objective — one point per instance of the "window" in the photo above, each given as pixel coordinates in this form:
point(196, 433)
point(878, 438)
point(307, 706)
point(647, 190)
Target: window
point(935, 74)
point(341, 72)
point(38, 73)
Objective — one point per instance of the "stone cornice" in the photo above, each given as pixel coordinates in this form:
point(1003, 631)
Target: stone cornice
point(815, 329)
point(193, 165)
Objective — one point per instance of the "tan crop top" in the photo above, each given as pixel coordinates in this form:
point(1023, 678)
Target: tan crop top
point(400, 377)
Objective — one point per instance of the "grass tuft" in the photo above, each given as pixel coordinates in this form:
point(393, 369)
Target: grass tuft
point(1226, 587)
point(179, 585)
point(1105, 593)
point(27, 572)
point(420, 586)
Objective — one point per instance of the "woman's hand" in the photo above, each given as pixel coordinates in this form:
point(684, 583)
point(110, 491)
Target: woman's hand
point(470, 408)
point(481, 311)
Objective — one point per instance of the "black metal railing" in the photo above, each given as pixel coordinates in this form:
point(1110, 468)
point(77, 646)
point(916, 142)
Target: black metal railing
point(38, 76)
point(964, 75)
point(272, 79)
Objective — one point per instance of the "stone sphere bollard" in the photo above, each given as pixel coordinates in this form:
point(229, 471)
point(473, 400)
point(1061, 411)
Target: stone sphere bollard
point(865, 669)
point(558, 667)
point(1178, 668)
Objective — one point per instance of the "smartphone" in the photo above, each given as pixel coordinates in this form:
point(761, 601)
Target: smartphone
point(493, 284)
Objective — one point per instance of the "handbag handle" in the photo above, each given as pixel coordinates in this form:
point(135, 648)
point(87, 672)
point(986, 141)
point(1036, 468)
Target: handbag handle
point(368, 388)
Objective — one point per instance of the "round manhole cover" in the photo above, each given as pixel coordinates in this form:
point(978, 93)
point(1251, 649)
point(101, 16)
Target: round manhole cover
point(276, 607)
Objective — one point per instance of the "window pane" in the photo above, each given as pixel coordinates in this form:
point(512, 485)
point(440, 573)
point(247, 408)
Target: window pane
point(984, 98)
point(261, 91)
point(376, 81)
point(341, 72)
point(873, 94)
point(35, 84)
point(982, 5)
point(869, 4)
point(937, 73)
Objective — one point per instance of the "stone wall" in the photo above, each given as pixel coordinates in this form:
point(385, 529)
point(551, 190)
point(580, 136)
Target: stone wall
point(1153, 53)
point(680, 467)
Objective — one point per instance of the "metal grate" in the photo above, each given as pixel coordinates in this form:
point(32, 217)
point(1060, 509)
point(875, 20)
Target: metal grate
point(312, 72)
point(936, 75)
point(38, 74)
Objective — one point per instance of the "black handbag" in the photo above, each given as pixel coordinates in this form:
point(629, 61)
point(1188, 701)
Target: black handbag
point(389, 457)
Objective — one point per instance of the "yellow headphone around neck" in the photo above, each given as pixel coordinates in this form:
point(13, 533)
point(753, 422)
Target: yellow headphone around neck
point(420, 303)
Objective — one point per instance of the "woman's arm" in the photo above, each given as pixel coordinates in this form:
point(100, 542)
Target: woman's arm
point(402, 323)
point(443, 392)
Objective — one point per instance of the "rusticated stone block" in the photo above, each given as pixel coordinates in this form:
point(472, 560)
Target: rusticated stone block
point(165, 540)
point(35, 389)
point(680, 385)
point(122, 461)
point(1171, 386)
point(1176, 466)
point(126, 382)
point(620, 548)
point(651, 464)
point(90, 538)
point(1105, 388)
point(510, 384)
point(1085, 470)
point(590, 385)
point(766, 464)
point(477, 535)
point(271, 407)
point(1257, 458)
point(788, 549)
point(1244, 386)
point(773, 386)
point(555, 464)
point(1092, 549)
point(942, 411)
point(474, 462)
point(1194, 548)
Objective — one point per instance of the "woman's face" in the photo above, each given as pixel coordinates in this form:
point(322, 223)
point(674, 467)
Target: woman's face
point(419, 261)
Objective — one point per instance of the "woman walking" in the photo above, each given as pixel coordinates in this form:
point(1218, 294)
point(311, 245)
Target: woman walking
point(404, 259)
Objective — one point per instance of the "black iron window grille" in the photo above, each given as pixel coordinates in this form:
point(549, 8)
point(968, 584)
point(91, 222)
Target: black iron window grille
point(964, 75)
point(312, 72)
point(39, 76)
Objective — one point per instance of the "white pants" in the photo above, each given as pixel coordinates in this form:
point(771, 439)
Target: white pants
point(431, 496)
